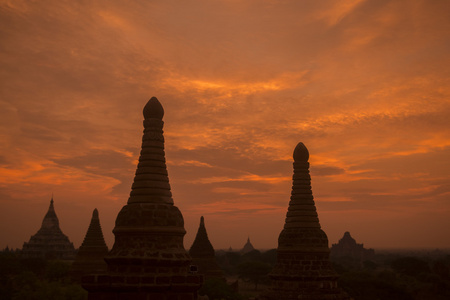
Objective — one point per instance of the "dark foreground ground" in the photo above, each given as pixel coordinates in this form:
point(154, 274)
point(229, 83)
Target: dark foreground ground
point(390, 274)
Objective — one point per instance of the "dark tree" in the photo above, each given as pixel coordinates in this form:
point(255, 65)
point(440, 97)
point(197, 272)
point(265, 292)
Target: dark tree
point(254, 271)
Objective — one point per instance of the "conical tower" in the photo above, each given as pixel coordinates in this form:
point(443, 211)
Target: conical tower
point(303, 269)
point(148, 259)
point(90, 256)
point(49, 242)
point(203, 254)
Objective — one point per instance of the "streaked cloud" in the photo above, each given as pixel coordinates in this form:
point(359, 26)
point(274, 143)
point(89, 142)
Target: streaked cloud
point(362, 83)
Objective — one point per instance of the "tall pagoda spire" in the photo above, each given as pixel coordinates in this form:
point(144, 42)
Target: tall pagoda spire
point(148, 259)
point(151, 181)
point(49, 242)
point(203, 254)
point(303, 269)
point(90, 256)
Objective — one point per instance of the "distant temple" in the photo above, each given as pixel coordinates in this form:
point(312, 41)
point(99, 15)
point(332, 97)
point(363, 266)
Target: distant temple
point(347, 247)
point(248, 247)
point(303, 269)
point(148, 259)
point(90, 256)
point(49, 242)
point(203, 254)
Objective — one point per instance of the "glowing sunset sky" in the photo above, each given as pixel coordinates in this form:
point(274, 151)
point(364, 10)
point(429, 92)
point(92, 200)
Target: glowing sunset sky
point(364, 84)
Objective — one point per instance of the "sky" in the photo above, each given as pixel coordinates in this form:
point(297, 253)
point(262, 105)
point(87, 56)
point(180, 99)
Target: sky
point(363, 84)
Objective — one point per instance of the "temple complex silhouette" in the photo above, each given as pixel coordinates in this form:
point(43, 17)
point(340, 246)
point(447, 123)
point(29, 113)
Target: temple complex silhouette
point(90, 255)
point(49, 242)
point(303, 269)
point(347, 247)
point(148, 259)
point(203, 254)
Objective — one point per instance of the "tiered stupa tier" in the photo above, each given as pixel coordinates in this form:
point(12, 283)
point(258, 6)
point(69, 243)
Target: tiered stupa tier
point(303, 269)
point(49, 242)
point(203, 254)
point(148, 259)
point(90, 256)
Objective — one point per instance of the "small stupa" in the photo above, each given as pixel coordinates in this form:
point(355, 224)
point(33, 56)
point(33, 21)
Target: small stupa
point(203, 254)
point(303, 269)
point(148, 259)
point(90, 256)
point(49, 242)
point(248, 247)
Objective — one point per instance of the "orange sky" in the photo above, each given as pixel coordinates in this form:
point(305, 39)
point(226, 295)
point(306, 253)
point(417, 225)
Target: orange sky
point(364, 84)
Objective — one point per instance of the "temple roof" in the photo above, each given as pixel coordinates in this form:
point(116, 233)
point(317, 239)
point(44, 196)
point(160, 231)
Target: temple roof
point(49, 241)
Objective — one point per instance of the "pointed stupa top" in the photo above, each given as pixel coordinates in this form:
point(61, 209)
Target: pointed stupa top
point(201, 247)
point(301, 153)
point(94, 235)
point(151, 181)
point(90, 256)
point(302, 210)
point(153, 109)
point(50, 221)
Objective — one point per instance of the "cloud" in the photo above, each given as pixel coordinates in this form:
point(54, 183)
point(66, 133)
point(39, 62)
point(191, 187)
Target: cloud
point(361, 83)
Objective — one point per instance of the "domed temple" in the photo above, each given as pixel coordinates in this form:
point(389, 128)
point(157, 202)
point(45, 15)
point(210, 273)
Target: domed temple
point(49, 242)
point(90, 256)
point(303, 269)
point(203, 254)
point(248, 247)
point(148, 259)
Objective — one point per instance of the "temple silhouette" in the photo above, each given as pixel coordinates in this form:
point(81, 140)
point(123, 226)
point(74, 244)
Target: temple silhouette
point(49, 242)
point(148, 259)
point(203, 254)
point(248, 247)
point(90, 255)
point(303, 269)
point(348, 247)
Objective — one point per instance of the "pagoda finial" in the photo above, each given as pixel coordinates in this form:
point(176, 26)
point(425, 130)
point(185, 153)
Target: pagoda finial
point(95, 214)
point(301, 153)
point(153, 109)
